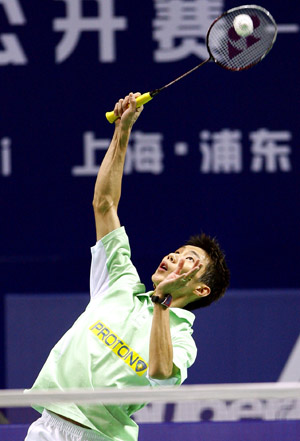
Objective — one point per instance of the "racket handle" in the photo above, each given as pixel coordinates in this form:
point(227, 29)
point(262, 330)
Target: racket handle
point(140, 100)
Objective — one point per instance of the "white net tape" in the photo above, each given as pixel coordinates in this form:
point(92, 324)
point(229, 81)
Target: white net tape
point(262, 391)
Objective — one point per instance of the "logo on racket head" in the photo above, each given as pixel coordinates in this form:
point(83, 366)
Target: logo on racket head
point(233, 51)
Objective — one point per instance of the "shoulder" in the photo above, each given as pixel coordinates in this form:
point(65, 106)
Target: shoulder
point(112, 243)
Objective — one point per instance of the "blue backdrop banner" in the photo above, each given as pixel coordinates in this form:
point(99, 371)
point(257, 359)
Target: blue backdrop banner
point(218, 152)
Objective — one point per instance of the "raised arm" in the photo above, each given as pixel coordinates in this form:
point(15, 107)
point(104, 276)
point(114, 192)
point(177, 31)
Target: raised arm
point(107, 191)
point(160, 348)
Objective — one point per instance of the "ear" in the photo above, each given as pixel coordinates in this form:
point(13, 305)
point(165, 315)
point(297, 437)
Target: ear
point(202, 291)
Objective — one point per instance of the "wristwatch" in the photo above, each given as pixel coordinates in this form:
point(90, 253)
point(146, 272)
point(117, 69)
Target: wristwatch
point(165, 301)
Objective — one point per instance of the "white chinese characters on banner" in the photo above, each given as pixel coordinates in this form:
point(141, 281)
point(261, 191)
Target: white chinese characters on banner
point(5, 157)
point(267, 153)
point(221, 151)
point(12, 52)
point(180, 27)
point(144, 154)
point(74, 24)
point(90, 147)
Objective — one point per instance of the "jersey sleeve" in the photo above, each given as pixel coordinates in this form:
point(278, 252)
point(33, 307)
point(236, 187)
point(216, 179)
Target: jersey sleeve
point(184, 355)
point(111, 264)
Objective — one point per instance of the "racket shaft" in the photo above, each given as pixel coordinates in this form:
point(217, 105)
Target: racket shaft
point(140, 100)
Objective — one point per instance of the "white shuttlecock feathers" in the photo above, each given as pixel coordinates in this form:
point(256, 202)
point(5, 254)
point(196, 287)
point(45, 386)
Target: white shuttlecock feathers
point(243, 25)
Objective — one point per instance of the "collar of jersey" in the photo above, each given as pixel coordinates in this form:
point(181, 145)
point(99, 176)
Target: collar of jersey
point(179, 312)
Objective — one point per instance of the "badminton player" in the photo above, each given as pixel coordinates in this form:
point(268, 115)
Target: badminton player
point(126, 336)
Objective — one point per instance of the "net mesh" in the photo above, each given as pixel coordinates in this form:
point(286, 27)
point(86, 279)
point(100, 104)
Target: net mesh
point(235, 52)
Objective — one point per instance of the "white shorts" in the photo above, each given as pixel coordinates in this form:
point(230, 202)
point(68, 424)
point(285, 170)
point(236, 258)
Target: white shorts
point(50, 427)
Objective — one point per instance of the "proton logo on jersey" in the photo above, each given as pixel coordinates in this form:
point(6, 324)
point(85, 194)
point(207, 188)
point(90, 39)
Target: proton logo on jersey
point(119, 347)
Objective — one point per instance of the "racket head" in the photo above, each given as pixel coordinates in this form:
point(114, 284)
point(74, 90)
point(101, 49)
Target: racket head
point(233, 52)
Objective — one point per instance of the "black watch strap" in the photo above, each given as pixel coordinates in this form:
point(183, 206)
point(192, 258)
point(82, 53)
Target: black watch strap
point(165, 302)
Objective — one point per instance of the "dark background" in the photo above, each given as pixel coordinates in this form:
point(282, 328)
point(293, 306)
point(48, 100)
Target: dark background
point(47, 224)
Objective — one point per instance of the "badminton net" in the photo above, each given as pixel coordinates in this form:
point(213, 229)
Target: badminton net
point(190, 403)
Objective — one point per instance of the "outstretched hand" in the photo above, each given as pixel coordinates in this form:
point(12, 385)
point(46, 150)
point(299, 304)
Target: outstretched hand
point(126, 111)
point(176, 281)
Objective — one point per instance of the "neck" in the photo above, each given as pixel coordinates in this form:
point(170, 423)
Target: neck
point(179, 302)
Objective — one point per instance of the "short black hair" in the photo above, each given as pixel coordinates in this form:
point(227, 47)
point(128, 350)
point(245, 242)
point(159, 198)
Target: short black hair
point(216, 275)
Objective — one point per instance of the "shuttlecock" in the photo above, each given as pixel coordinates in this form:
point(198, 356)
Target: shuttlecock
point(243, 25)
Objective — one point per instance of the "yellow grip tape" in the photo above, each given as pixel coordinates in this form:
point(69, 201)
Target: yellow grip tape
point(140, 101)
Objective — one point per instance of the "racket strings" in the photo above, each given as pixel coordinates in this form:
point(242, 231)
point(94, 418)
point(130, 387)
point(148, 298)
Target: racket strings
point(234, 52)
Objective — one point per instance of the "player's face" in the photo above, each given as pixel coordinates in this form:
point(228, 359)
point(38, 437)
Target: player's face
point(190, 254)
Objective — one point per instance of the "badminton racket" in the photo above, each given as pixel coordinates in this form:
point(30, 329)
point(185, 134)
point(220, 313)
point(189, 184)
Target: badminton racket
point(228, 49)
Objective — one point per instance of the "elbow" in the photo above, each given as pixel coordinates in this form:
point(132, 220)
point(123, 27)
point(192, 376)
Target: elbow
point(160, 373)
point(102, 204)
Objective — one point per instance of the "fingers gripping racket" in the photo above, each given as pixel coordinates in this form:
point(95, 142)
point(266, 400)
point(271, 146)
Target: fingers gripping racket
point(227, 47)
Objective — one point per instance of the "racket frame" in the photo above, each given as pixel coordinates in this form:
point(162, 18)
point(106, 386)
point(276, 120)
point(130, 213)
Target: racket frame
point(144, 98)
point(240, 9)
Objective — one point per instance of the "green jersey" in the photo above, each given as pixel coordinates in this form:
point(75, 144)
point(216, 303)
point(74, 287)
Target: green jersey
point(108, 345)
